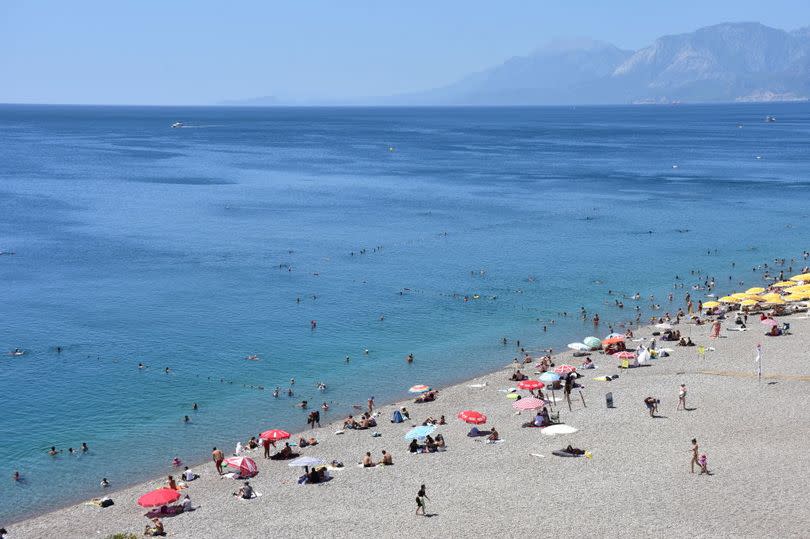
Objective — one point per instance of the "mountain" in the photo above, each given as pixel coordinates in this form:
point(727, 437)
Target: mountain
point(726, 62)
point(264, 101)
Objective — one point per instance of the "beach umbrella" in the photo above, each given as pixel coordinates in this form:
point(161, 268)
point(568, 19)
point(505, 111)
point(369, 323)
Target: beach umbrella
point(304, 462)
point(795, 297)
point(420, 388)
point(804, 277)
point(755, 290)
point(776, 301)
point(782, 284)
point(711, 304)
point(549, 377)
point(274, 434)
point(528, 404)
point(769, 322)
point(472, 417)
point(420, 432)
point(161, 496)
point(531, 385)
point(664, 325)
point(245, 466)
point(564, 369)
point(592, 342)
point(748, 303)
point(728, 299)
point(579, 346)
point(613, 340)
point(624, 355)
point(739, 295)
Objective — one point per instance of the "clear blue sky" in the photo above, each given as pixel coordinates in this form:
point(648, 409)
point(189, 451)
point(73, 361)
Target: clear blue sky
point(201, 52)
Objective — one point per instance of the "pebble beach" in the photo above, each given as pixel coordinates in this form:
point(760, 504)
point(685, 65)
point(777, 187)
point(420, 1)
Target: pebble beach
point(637, 481)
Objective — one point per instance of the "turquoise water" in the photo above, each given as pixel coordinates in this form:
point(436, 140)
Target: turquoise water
point(187, 248)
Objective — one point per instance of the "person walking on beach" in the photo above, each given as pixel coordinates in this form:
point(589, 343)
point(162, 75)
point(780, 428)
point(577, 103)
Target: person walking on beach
point(218, 457)
point(694, 451)
point(421, 496)
point(681, 397)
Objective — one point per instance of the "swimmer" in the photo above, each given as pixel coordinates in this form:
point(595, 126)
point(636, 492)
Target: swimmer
point(194, 406)
point(84, 448)
point(292, 381)
point(409, 359)
point(325, 407)
point(186, 419)
point(365, 351)
point(52, 451)
point(275, 392)
point(289, 392)
point(167, 370)
point(16, 476)
point(104, 483)
point(303, 405)
point(348, 359)
point(141, 366)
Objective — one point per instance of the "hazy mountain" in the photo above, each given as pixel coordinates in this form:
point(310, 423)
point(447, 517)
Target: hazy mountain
point(264, 101)
point(726, 62)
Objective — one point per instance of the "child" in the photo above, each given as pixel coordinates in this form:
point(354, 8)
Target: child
point(703, 461)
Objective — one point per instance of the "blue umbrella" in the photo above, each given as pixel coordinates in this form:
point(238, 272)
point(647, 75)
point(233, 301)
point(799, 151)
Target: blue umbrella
point(549, 377)
point(419, 432)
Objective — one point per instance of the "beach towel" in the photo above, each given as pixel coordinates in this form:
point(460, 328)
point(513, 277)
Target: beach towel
point(554, 430)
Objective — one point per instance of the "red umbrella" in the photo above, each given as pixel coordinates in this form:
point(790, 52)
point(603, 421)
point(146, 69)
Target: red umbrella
point(564, 369)
point(528, 404)
point(161, 496)
point(471, 416)
point(245, 466)
point(531, 384)
point(624, 355)
point(274, 434)
point(769, 322)
point(613, 340)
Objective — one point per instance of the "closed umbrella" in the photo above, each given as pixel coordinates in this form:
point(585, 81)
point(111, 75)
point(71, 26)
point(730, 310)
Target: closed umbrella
point(472, 417)
point(528, 404)
point(244, 466)
point(161, 496)
point(531, 385)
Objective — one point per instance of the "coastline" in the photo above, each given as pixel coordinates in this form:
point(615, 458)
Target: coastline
point(125, 514)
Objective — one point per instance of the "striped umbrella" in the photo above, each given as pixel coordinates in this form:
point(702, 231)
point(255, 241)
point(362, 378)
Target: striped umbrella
point(624, 355)
point(420, 388)
point(471, 416)
point(245, 466)
point(564, 369)
point(549, 377)
point(528, 404)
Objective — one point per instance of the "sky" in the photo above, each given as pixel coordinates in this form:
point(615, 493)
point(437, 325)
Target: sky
point(189, 52)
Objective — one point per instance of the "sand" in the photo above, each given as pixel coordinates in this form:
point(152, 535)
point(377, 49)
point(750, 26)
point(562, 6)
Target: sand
point(636, 484)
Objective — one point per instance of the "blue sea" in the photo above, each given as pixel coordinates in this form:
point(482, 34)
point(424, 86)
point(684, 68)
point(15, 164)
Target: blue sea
point(193, 248)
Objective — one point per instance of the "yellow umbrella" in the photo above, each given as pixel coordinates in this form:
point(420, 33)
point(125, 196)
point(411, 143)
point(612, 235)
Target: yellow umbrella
point(770, 296)
point(739, 295)
point(755, 290)
point(781, 284)
point(803, 277)
point(754, 297)
point(748, 303)
point(779, 301)
point(795, 297)
point(711, 304)
point(728, 299)
point(797, 289)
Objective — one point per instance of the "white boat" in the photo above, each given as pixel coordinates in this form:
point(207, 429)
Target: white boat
point(177, 125)
point(770, 119)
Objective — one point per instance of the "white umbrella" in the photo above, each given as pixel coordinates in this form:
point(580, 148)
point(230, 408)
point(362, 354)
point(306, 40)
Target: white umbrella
point(302, 462)
point(579, 346)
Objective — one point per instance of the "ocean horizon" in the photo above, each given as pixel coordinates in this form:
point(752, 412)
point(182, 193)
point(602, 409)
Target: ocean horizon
point(428, 231)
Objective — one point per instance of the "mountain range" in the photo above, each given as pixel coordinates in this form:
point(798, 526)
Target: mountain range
point(722, 63)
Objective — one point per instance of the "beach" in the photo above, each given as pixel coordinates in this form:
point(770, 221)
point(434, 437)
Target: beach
point(636, 483)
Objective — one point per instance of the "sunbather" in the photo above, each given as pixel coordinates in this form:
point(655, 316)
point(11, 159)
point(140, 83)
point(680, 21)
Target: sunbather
point(156, 529)
point(493, 435)
point(245, 492)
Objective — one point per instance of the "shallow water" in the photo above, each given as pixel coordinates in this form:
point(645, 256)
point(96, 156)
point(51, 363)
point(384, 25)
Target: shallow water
point(187, 248)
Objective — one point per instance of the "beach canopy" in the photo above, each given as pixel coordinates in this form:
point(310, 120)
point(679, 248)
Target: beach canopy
point(578, 346)
point(625, 355)
point(549, 377)
point(419, 388)
point(804, 277)
point(302, 462)
point(420, 432)
point(564, 369)
point(592, 342)
point(769, 322)
point(245, 466)
point(711, 304)
point(528, 404)
point(161, 496)
point(531, 384)
point(472, 417)
point(613, 340)
point(274, 434)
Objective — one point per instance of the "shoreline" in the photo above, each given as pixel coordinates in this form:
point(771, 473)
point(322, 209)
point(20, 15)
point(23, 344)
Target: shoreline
point(324, 433)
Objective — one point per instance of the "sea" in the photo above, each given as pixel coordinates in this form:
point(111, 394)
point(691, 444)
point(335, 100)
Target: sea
point(304, 236)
